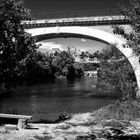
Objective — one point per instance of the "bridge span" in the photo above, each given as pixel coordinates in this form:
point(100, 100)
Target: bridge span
point(92, 27)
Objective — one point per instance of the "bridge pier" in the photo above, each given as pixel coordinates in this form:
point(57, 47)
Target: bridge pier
point(134, 61)
point(137, 74)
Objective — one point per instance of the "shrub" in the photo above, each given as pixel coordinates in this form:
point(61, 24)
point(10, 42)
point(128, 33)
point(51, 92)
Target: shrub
point(120, 110)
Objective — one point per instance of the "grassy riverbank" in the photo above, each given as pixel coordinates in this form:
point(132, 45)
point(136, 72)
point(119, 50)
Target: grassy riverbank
point(120, 110)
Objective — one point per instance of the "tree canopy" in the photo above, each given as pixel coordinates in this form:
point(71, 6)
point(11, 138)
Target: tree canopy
point(132, 13)
point(119, 73)
point(116, 73)
point(15, 44)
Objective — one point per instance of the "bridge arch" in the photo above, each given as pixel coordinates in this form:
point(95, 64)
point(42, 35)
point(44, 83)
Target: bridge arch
point(95, 33)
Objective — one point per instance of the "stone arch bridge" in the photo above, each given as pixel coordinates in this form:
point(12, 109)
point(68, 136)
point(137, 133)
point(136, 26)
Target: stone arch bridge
point(98, 28)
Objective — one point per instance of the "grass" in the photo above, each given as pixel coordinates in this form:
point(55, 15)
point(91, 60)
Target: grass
point(120, 110)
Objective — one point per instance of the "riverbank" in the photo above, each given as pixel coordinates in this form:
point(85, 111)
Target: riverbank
point(82, 127)
point(79, 127)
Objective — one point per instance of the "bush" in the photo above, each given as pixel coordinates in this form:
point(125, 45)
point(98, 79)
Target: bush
point(120, 110)
point(115, 72)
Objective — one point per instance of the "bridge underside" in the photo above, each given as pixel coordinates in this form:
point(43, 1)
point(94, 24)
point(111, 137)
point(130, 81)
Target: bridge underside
point(67, 35)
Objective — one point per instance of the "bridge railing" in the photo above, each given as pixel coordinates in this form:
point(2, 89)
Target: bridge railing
point(58, 21)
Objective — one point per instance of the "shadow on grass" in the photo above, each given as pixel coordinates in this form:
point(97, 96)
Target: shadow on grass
point(61, 118)
point(43, 138)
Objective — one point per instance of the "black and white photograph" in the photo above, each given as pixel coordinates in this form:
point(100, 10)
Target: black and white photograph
point(69, 69)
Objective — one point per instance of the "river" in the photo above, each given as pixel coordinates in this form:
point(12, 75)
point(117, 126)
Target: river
point(49, 100)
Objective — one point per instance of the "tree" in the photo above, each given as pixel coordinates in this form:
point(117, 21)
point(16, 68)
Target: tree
point(64, 64)
point(37, 67)
point(132, 13)
point(116, 73)
point(110, 53)
point(15, 44)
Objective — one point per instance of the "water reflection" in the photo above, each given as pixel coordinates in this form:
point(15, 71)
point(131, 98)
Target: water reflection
point(50, 100)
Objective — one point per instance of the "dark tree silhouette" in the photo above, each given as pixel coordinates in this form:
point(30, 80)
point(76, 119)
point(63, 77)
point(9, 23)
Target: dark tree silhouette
point(132, 13)
point(15, 44)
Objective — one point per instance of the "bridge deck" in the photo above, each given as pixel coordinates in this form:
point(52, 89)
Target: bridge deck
point(81, 21)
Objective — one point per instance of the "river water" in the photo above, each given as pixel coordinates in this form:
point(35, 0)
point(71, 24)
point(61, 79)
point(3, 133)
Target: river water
point(49, 100)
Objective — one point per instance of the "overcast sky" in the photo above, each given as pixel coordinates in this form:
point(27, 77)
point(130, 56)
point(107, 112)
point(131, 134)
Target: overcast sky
point(46, 6)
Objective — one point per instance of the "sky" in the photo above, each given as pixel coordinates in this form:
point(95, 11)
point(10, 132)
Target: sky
point(81, 44)
point(43, 7)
